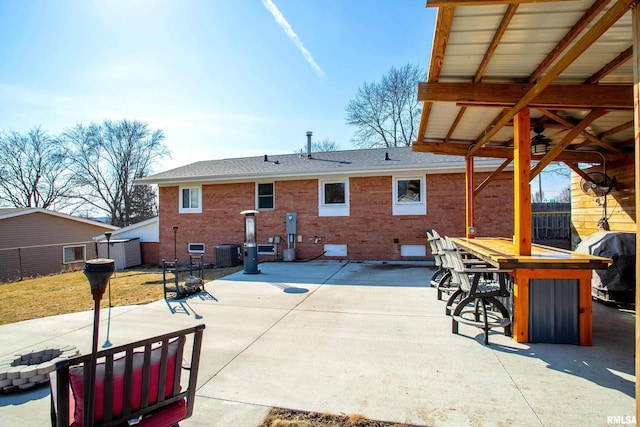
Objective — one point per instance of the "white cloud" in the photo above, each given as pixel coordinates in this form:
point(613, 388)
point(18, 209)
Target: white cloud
point(280, 19)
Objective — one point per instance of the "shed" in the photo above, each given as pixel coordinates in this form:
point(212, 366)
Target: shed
point(125, 252)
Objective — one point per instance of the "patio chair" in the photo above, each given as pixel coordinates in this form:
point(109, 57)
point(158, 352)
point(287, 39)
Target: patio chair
point(478, 293)
point(438, 256)
point(135, 384)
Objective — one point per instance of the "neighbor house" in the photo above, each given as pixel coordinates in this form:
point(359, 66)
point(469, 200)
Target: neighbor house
point(356, 204)
point(38, 241)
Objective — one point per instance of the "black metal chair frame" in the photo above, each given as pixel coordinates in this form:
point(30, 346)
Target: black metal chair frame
point(479, 287)
point(166, 400)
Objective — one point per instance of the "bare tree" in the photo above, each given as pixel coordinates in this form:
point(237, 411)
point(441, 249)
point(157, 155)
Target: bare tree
point(322, 146)
point(33, 170)
point(387, 113)
point(107, 158)
point(564, 196)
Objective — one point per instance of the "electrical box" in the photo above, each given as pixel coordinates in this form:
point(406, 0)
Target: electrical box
point(291, 222)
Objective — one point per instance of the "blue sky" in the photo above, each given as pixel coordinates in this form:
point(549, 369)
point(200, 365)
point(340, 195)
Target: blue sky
point(221, 78)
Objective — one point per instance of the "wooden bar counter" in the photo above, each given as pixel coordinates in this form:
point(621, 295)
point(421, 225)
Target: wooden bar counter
point(546, 268)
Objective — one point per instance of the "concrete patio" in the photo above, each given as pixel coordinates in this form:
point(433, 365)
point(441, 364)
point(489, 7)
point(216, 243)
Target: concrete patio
point(368, 338)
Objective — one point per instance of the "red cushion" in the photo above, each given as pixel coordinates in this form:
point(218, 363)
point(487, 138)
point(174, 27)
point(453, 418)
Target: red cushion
point(167, 416)
point(77, 385)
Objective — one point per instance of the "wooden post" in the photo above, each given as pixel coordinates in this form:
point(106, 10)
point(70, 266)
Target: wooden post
point(636, 114)
point(522, 190)
point(470, 201)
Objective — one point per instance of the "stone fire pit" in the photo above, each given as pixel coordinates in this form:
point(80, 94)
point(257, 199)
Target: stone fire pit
point(28, 370)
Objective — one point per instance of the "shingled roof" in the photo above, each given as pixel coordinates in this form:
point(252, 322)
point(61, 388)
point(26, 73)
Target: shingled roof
point(377, 161)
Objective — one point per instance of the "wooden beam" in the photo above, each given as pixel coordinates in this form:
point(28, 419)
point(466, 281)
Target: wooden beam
point(609, 18)
point(458, 149)
point(497, 36)
point(586, 18)
point(617, 129)
point(455, 123)
point(569, 124)
point(454, 3)
point(491, 177)
point(440, 41)
point(470, 205)
point(635, 26)
point(521, 188)
point(566, 140)
point(555, 96)
point(610, 67)
point(574, 167)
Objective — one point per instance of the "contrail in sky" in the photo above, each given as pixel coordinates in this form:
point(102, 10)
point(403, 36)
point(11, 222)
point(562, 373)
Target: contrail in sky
point(271, 7)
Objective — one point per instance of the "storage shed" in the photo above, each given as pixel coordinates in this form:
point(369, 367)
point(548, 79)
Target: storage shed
point(125, 252)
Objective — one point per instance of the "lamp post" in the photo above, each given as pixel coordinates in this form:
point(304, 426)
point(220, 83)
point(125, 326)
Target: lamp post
point(98, 272)
point(175, 242)
point(107, 343)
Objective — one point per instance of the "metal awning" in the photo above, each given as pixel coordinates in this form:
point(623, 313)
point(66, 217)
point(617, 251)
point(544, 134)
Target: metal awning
point(568, 61)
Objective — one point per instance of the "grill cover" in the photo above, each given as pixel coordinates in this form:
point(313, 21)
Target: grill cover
point(621, 248)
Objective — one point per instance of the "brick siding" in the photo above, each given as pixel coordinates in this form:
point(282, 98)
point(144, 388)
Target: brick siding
point(369, 231)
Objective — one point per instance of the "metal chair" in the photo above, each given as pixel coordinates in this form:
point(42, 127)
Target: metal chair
point(137, 383)
point(477, 298)
point(438, 257)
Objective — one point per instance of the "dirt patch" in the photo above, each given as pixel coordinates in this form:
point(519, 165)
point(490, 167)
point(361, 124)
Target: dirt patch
point(279, 417)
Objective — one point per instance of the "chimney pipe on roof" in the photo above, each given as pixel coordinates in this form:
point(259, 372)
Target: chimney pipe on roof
point(309, 133)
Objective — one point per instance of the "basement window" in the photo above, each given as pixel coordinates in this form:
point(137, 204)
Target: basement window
point(71, 254)
point(196, 248)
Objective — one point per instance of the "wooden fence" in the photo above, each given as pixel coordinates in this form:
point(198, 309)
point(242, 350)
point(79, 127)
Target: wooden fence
point(551, 221)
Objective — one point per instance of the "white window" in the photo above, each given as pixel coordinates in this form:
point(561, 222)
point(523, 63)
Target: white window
point(409, 196)
point(71, 254)
point(334, 198)
point(265, 196)
point(196, 248)
point(190, 200)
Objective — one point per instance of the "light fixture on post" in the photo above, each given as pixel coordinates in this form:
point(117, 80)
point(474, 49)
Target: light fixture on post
point(107, 343)
point(539, 143)
point(175, 242)
point(98, 272)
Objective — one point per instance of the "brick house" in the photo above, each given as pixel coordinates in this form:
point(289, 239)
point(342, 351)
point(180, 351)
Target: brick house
point(370, 204)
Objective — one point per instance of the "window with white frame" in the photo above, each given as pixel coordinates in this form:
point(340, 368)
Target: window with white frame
point(265, 195)
point(334, 198)
point(409, 196)
point(196, 248)
point(71, 254)
point(190, 200)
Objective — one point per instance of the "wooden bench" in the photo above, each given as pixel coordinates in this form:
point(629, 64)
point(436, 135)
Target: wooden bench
point(137, 383)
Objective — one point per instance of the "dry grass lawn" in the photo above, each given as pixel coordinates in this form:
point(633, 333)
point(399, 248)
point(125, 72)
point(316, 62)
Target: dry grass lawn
point(279, 417)
point(69, 292)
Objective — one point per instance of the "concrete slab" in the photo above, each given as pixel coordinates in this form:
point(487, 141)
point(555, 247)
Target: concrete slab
point(368, 338)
